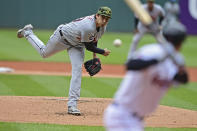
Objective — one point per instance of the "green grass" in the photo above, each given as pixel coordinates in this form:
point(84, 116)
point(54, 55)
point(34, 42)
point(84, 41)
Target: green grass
point(35, 85)
point(16, 49)
point(13, 48)
point(170, 129)
point(45, 127)
point(184, 97)
point(4, 126)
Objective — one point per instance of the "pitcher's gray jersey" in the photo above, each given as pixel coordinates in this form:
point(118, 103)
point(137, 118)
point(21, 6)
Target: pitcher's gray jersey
point(82, 30)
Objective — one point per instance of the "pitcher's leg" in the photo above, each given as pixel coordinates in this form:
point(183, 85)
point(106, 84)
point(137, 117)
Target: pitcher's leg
point(54, 44)
point(76, 58)
point(33, 39)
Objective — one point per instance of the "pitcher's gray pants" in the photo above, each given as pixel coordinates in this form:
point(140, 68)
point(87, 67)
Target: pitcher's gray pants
point(57, 44)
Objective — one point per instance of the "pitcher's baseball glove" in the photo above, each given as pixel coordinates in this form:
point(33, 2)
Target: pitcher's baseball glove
point(93, 66)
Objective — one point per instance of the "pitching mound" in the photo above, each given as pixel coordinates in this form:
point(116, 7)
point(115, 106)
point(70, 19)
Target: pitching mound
point(53, 110)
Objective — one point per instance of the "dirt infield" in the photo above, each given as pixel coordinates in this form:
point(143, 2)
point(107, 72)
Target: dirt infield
point(53, 110)
point(52, 68)
point(27, 109)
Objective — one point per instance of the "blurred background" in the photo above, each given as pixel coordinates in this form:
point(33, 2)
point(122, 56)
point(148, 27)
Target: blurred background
point(45, 16)
point(48, 14)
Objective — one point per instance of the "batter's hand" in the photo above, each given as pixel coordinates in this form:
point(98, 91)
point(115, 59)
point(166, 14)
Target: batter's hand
point(107, 52)
point(182, 76)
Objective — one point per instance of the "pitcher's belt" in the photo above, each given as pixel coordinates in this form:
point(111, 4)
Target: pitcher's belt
point(68, 43)
point(60, 31)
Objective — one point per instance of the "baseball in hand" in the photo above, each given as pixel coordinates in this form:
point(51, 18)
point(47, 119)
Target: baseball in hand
point(117, 42)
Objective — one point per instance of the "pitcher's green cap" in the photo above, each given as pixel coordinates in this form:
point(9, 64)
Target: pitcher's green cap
point(105, 11)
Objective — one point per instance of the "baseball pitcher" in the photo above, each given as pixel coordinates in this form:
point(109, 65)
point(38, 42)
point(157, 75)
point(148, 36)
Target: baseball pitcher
point(157, 14)
point(73, 37)
point(150, 73)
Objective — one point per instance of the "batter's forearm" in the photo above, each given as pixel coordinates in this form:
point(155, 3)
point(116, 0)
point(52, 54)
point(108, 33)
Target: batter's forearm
point(138, 64)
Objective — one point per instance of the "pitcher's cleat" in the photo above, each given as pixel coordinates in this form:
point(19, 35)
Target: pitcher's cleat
point(21, 32)
point(73, 111)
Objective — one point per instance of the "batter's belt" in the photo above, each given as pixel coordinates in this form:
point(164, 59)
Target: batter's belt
point(134, 114)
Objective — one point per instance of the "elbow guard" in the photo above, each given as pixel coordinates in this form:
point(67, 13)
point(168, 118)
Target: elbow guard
point(138, 64)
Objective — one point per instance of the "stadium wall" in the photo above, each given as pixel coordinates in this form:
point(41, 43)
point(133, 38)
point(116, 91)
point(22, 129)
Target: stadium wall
point(48, 14)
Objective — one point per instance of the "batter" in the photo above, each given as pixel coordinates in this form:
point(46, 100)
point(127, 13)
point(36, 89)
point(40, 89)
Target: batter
point(150, 73)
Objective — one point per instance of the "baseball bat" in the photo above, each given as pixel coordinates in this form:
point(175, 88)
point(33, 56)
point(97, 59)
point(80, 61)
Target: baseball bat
point(137, 8)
